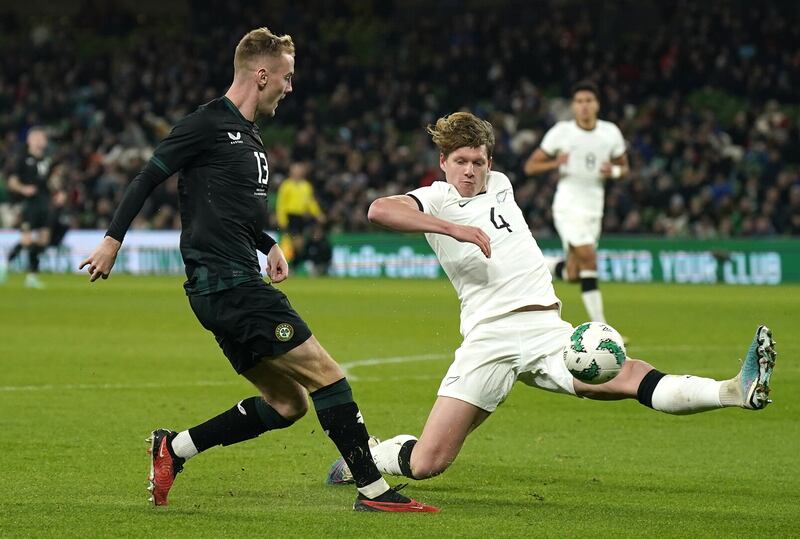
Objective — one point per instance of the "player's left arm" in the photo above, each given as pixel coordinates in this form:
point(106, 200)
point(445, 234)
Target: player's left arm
point(190, 137)
point(403, 213)
point(616, 167)
point(277, 266)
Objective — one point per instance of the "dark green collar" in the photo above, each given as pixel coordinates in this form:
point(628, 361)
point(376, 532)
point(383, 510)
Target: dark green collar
point(235, 110)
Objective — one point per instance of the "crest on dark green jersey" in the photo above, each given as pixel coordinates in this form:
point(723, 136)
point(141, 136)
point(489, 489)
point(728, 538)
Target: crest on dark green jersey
point(284, 332)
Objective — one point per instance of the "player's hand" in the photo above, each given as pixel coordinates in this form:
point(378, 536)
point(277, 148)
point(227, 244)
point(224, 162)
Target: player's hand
point(611, 171)
point(562, 158)
point(472, 234)
point(29, 190)
point(102, 259)
point(277, 267)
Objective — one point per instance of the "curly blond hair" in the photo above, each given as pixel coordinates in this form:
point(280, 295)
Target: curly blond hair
point(462, 129)
point(261, 42)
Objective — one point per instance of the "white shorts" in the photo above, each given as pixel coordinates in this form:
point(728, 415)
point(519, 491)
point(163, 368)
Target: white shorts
point(524, 346)
point(576, 228)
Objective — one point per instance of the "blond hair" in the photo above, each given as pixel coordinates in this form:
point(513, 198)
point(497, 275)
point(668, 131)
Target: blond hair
point(261, 42)
point(462, 129)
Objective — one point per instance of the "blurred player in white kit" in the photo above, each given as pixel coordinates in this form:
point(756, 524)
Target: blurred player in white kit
point(586, 151)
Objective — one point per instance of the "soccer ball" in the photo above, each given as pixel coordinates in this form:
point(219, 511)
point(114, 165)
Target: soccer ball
point(595, 353)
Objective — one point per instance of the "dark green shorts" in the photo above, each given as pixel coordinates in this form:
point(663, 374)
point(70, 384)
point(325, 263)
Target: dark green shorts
point(35, 214)
point(250, 322)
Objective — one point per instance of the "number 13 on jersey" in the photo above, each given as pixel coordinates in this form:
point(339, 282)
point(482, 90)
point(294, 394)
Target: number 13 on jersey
point(263, 168)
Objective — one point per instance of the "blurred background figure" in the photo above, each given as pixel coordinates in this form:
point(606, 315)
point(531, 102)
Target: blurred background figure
point(318, 252)
point(297, 210)
point(587, 152)
point(30, 181)
point(59, 219)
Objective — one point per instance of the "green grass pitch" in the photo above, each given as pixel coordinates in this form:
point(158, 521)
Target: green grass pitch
point(88, 370)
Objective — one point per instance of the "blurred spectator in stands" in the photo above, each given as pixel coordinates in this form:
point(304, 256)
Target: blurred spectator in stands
point(705, 93)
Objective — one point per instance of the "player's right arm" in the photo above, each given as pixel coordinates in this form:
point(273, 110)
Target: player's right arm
point(189, 138)
point(547, 156)
point(540, 162)
point(15, 184)
point(402, 214)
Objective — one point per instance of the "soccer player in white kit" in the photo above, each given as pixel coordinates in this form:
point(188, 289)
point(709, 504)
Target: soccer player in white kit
point(510, 313)
point(586, 151)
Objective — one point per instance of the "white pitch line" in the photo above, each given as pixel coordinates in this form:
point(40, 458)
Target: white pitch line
point(348, 366)
point(65, 387)
point(207, 383)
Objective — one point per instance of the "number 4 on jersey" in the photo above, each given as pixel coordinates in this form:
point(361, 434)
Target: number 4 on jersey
point(503, 223)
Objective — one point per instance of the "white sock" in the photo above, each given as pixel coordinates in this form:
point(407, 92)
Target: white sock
point(374, 489)
point(687, 394)
point(183, 446)
point(593, 301)
point(730, 392)
point(386, 454)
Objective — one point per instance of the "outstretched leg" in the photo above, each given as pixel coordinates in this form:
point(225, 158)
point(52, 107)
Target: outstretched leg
point(449, 423)
point(284, 381)
point(282, 402)
point(691, 394)
point(313, 368)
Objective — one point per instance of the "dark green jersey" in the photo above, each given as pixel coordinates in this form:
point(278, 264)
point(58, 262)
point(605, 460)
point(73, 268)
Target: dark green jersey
point(32, 170)
point(223, 189)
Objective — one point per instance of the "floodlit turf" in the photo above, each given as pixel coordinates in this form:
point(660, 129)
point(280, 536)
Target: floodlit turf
point(87, 370)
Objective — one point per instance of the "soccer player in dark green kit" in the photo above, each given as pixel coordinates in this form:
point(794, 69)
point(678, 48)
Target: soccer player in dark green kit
point(30, 181)
point(223, 181)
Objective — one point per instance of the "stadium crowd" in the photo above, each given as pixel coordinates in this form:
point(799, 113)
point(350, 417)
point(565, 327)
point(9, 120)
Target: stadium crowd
point(706, 101)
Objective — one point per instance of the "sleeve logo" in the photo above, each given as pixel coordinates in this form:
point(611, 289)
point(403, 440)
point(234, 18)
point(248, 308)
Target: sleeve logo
point(284, 332)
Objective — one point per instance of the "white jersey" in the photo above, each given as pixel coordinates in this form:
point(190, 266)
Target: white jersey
point(515, 275)
point(580, 189)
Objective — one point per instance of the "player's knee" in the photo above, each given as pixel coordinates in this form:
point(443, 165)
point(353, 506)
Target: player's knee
point(627, 382)
point(572, 276)
point(430, 463)
point(328, 370)
point(634, 370)
point(570, 273)
point(291, 409)
point(310, 365)
point(587, 261)
point(430, 468)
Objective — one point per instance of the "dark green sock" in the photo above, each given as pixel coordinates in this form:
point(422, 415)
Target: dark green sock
point(343, 423)
point(248, 419)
